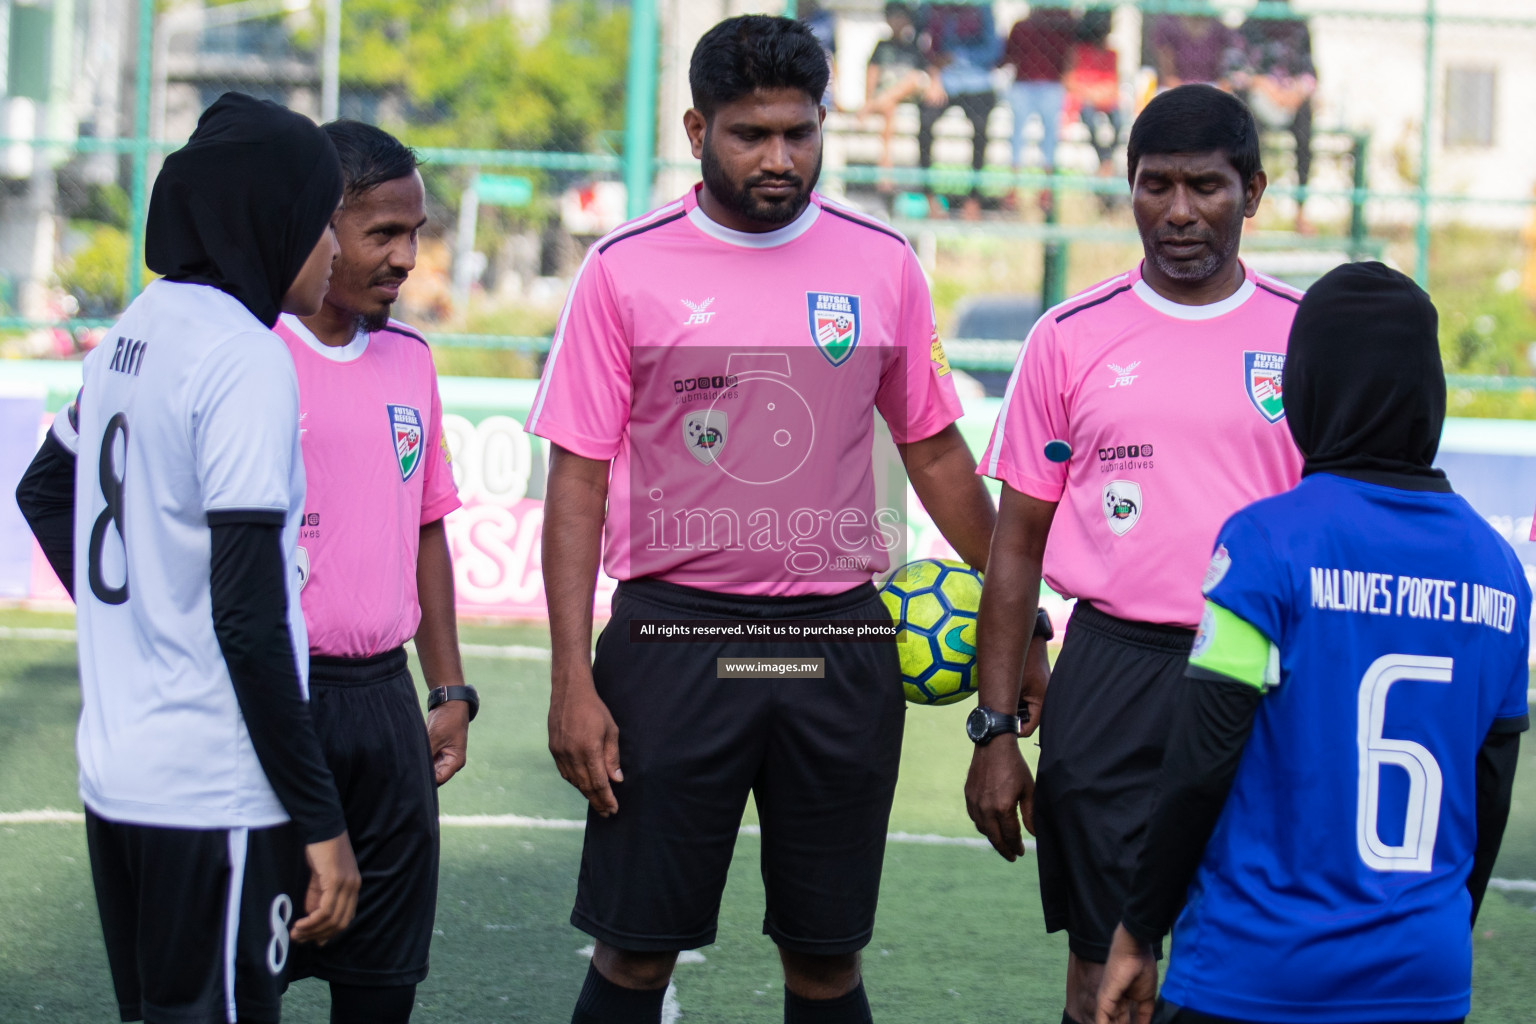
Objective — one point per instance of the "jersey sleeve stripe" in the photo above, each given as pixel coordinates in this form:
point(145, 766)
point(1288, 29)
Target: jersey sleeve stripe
point(396, 327)
point(994, 449)
point(1517, 723)
point(1287, 296)
point(1089, 305)
point(672, 211)
point(254, 516)
point(1279, 286)
point(862, 222)
point(531, 424)
point(668, 213)
point(642, 229)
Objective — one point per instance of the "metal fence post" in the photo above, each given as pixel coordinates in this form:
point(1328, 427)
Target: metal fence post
point(1358, 229)
point(640, 108)
point(1426, 138)
point(139, 186)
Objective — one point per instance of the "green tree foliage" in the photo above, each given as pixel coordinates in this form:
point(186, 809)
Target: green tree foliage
point(471, 76)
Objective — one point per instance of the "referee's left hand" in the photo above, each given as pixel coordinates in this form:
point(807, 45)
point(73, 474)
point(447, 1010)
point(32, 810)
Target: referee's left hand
point(448, 733)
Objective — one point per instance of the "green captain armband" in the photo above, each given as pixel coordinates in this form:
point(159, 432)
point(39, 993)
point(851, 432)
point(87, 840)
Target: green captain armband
point(1232, 647)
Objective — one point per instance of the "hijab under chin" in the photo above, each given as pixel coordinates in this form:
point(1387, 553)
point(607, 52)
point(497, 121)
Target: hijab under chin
point(1364, 387)
point(242, 204)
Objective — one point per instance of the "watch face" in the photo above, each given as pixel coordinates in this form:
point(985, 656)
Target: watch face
point(976, 725)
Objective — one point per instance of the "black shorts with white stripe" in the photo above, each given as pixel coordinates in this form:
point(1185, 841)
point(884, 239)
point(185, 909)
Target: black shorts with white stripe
point(196, 920)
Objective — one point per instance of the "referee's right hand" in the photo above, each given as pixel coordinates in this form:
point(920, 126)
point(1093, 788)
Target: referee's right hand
point(584, 740)
point(332, 897)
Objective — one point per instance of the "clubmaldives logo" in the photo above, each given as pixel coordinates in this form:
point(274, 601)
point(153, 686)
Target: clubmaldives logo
point(1122, 505)
point(405, 428)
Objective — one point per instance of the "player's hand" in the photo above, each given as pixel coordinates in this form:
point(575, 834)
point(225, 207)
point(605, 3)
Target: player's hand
point(332, 897)
point(997, 788)
point(448, 733)
point(1129, 989)
point(584, 740)
point(1037, 677)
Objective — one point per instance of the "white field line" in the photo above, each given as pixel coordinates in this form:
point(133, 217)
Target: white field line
point(36, 633)
point(512, 652)
point(515, 652)
point(50, 816)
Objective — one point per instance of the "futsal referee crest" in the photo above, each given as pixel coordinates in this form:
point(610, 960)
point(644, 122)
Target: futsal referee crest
point(405, 428)
point(834, 324)
point(1264, 372)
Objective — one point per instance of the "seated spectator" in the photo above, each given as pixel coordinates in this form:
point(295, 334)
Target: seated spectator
point(896, 74)
point(961, 44)
point(1277, 79)
point(1093, 79)
point(1192, 48)
point(823, 25)
point(1037, 51)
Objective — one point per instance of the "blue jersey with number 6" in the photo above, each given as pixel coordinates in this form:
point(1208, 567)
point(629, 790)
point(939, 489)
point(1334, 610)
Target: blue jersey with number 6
point(1334, 885)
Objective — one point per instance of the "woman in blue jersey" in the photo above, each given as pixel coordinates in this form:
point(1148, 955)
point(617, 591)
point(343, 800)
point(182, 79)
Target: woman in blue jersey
point(1344, 752)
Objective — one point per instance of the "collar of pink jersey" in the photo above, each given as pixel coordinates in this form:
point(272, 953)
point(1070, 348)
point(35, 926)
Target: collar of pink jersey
point(1168, 307)
point(750, 239)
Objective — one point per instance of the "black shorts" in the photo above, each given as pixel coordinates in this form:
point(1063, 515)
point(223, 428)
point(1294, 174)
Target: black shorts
point(819, 756)
point(1170, 1013)
point(368, 718)
point(196, 920)
point(1102, 732)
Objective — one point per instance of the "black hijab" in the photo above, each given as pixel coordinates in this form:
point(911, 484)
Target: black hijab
point(242, 204)
point(1364, 389)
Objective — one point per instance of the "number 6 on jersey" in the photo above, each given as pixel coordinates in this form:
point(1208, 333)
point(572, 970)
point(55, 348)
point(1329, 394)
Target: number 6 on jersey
point(1417, 852)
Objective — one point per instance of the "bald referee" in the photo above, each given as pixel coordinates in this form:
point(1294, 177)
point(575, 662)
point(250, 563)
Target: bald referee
point(1141, 413)
point(710, 399)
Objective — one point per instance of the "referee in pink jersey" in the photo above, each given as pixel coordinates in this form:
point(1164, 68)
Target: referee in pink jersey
point(375, 572)
point(711, 399)
point(1141, 414)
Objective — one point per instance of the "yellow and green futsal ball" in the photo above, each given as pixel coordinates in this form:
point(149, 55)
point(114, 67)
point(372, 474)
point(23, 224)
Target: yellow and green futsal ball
point(935, 602)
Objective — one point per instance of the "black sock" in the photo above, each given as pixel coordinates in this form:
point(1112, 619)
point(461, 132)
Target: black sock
point(603, 1002)
point(850, 1008)
point(356, 1004)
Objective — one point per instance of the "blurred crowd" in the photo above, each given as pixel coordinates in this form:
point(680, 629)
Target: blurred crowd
point(1057, 66)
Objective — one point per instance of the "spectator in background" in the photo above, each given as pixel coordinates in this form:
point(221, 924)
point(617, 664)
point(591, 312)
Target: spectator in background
point(1093, 79)
point(897, 73)
point(1193, 48)
point(1037, 51)
point(961, 44)
point(1277, 79)
point(823, 25)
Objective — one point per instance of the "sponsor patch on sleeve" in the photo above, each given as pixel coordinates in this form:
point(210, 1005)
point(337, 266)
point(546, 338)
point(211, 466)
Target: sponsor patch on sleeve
point(936, 353)
point(1221, 561)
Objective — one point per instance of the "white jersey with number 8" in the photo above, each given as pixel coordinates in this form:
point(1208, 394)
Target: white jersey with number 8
point(188, 417)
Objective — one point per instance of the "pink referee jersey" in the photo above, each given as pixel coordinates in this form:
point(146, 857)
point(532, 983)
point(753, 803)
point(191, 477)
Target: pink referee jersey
point(1174, 418)
point(733, 379)
point(370, 427)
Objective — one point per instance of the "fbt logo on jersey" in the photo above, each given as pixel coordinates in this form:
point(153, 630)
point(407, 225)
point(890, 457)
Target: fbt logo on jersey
point(701, 312)
point(405, 429)
point(834, 324)
point(1125, 376)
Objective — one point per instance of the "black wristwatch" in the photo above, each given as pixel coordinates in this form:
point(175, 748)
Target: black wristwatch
point(983, 723)
point(444, 694)
point(1043, 628)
